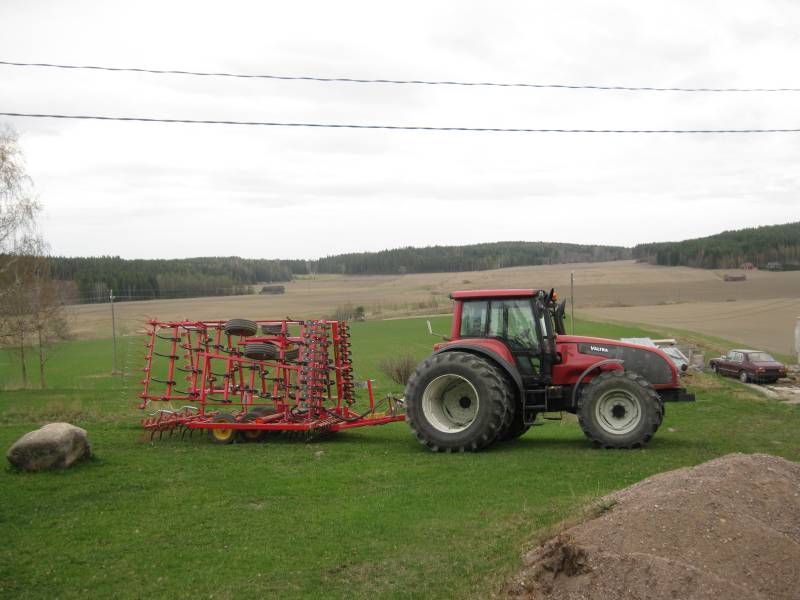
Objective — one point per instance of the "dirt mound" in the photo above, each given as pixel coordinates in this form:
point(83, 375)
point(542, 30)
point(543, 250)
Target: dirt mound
point(728, 528)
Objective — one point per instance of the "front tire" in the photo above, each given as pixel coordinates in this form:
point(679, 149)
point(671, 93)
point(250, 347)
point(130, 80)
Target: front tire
point(457, 402)
point(744, 377)
point(620, 409)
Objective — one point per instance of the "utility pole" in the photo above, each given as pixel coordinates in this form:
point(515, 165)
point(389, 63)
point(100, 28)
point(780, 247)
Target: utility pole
point(572, 299)
point(797, 340)
point(113, 330)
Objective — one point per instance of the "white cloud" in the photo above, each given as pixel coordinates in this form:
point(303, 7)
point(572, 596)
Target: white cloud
point(180, 190)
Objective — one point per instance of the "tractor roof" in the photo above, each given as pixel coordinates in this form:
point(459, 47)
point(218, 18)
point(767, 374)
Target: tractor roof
point(468, 294)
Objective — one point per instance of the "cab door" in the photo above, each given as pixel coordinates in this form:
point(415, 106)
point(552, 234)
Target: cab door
point(513, 321)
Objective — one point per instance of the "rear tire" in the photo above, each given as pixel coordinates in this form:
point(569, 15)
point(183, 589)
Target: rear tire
point(620, 409)
point(516, 428)
point(457, 402)
point(744, 377)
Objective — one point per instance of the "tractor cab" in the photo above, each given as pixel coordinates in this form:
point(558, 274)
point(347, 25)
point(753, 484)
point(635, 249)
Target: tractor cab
point(518, 325)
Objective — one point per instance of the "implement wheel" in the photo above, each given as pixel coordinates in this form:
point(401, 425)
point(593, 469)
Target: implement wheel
point(261, 351)
point(457, 402)
point(620, 409)
point(254, 435)
point(241, 327)
point(222, 436)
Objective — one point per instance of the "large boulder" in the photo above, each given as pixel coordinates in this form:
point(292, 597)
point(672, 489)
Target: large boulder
point(53, 446)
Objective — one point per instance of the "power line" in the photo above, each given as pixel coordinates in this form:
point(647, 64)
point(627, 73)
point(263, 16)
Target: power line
point(622, 88)
point(391, 127)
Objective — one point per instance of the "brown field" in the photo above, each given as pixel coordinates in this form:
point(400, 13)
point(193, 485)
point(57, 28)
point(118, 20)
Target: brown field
point(760, 311)
point(764, 324)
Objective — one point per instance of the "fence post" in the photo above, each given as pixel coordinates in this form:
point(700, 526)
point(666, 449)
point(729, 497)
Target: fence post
point(113, 330)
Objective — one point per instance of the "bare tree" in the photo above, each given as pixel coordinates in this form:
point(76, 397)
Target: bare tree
point(32, 309)
point(15, 311)
point(18, 207)
point(46, 306)
point(19, 246)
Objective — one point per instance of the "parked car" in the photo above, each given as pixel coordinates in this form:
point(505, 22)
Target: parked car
point(749, 365)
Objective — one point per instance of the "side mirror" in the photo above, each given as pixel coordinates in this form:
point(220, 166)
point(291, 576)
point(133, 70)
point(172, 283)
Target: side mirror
point(432, 332)
point(559, 318)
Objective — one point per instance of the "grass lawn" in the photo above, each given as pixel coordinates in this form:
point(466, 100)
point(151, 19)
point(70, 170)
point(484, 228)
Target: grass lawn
point(367, 513)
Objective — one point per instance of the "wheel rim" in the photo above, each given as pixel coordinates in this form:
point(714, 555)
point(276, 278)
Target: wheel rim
point(222, 435)
point(450, 403)
point(618, 412)
point(743, 377)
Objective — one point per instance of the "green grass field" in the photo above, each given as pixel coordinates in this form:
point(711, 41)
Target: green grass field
point(367, 513)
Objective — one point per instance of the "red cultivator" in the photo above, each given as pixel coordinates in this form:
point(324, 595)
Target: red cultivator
point(295, 376)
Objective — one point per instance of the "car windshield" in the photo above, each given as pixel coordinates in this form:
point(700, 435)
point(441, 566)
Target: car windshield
point(760, 357)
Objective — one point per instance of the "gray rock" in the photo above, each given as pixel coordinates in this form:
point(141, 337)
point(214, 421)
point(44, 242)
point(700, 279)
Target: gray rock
point(53, 446)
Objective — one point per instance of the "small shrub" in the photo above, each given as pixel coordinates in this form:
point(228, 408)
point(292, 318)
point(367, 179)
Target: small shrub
point(398, 368)
point(343, 312)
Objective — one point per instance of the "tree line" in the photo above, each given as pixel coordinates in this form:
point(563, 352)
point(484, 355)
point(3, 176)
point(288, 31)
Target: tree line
point(474, 257)
point(139, 279)
point(93, 278)
point(729, 249)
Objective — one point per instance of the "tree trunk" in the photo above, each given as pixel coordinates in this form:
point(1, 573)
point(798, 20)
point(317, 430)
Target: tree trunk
point(22, 358)
point(41, 358)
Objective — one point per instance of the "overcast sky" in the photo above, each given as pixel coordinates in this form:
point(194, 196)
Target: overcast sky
point(172, 190)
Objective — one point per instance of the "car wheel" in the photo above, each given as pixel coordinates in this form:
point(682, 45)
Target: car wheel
point(744, 377)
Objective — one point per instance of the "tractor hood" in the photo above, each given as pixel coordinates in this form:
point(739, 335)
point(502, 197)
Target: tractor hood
point(652, 363)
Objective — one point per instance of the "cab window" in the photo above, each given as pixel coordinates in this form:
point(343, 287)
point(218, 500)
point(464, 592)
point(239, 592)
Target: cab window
point(513, 321)
point(473, 318)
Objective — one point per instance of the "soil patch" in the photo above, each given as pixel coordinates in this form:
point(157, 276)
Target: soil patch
point(728, 528)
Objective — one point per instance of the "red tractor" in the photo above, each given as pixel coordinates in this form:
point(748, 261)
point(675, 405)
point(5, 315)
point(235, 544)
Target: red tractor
point(508, 359)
